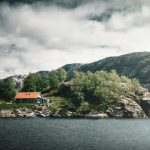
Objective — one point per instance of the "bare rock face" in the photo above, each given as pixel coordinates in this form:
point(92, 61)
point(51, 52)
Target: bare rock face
point(96, 115)
point(7, 114)
point(29, 115)
point(145, 102)
point(42, 113)
point(62, 113)
point(127, 108)
point(23, 112)
point(18, 81)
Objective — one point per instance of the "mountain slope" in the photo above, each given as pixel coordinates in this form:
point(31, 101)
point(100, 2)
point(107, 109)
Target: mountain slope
point(134, 65)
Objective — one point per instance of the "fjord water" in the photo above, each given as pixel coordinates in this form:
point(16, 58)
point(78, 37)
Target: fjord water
point(74, 134)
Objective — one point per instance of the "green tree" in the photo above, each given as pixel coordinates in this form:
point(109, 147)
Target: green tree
point(7, 89)
point(30, 83)
point(41, 82)
point(62, 75)
point(35, 82)
point(77, 98)
point(56, 77)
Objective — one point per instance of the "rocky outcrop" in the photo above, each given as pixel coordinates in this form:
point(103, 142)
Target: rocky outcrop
point(145, 102)
point(23, 112)
point(96, 115)
point(42, 113)
point(126, 108)
point(18, 81)
point(7, 114)
point(63, 113)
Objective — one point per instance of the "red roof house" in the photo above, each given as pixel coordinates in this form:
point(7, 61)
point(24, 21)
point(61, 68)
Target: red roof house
point(29, 97)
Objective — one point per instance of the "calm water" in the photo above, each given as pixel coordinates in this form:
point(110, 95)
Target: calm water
point(74, 134)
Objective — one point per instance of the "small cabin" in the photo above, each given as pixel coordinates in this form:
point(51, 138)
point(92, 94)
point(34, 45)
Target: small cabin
point(29, 97)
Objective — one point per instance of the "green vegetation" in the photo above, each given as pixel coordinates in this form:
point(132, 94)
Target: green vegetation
point(133, 65)
point(39, 82)
point(85, 91)
point(7, 89)
point(99, 90)
point(84, 108)
point(57, 77)
point(5, 106)
point(35, 82)
point(60, 102)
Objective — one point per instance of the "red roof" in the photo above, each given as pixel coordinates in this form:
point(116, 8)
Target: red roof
point(27, 95)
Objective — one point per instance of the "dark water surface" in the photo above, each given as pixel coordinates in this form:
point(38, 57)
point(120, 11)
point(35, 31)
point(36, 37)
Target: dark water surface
point(74, 134)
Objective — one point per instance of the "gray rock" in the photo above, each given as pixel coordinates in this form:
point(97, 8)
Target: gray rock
point(132, 107)
point(69, 113)
point(56, 115)
point(97, 116)
point(129, 109)
point(24, 112)
point(18, 81)
point(146, 95)
point(29, 115)
point(41, 113)
point(7, 114)
point(118, 108)
point(17, 111)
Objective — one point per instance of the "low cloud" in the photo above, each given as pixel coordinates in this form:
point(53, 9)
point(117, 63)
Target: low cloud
point(46, 35)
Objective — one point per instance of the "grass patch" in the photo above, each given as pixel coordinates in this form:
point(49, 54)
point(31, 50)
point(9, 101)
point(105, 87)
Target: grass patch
point(5, 106)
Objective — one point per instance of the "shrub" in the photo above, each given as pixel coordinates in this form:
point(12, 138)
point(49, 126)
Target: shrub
point(84, 108)
point(60, 102)
point(77, 98)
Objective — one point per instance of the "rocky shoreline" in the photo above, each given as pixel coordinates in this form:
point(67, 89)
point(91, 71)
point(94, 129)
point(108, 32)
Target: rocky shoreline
point(28, 113)
point(126, 108)
point(31, 114)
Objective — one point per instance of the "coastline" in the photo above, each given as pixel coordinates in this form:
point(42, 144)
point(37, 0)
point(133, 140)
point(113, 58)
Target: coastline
point(28, 113)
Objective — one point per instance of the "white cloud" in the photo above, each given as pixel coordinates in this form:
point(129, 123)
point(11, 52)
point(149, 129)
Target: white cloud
point(44, 37)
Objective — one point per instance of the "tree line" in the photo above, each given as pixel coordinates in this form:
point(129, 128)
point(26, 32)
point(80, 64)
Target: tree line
point(87, 90)
point(33, 82)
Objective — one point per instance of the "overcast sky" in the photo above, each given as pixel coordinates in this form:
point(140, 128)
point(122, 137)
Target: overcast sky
point(46, 35)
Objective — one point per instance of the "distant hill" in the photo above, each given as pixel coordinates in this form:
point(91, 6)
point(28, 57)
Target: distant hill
point(133, 65)
point(71, 67)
